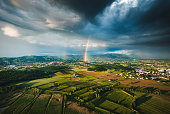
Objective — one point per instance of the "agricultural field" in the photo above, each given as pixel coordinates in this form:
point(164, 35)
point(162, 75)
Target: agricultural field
point(155, 105)
point(21, 102)
point(114, 107)
point(102, 111)
point(19, 105)
point(91, 92)
point(40, 104)
point(55, 104)
point(121, 97)
point(145, 83)
point(10, 99)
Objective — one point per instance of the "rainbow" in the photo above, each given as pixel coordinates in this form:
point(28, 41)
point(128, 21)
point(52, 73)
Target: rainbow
point(85, 52)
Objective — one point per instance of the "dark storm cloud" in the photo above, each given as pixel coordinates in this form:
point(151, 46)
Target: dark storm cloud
point(111, 24)
point(157, 41)
point(158, 16)
point(153, 28)
point(89, 8)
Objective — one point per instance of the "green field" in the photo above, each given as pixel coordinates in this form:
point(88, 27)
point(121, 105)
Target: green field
point(53, 95)
point(40, 105)
point(114, 107)
point(55, 105)
point(58, 77)
point(155, 106)
point(19, 105)
point(71, 111)
point(69, 89)
point(121, 98)
point(101, 110)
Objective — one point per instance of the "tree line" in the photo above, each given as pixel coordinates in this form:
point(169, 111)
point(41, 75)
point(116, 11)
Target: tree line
point(11, 76)
point(105, 67)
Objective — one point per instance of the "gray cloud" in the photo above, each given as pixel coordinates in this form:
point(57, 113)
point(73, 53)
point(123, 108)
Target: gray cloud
point(37, 15)
point(114, 25)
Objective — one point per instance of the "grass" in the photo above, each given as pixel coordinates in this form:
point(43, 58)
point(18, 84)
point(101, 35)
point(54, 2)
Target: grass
point(58, 77)
point(101, 110)
point(122, 86)
point(19, 104)
point(120, 98)
point(39, 82)
point(69, 89)
point(9, 98)
point(80, 91)
point(138, 94)
point(155, 106)
point(91, 77)
point(55, 106)
point(39, 106)
point(114, 107)
point(55, 92)
point(71, 111)
point(108, 105)
point(86, 94)
point(45, 86)
point(59, 87)
point(77, 69)
point(105, 82)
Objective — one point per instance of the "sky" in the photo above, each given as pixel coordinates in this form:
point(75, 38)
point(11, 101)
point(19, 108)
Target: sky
point(62, 27)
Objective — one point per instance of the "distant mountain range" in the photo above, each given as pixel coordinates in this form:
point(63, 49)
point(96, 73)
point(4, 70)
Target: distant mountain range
point(28, 59)
point(33, 59)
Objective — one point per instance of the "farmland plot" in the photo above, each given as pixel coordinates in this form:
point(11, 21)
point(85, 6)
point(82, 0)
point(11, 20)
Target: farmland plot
point(155, 106)
point(74, 108)
point(9, 100)
point(102, 111)
point(114, 107)
point(19, 104)
point(40, 105)
point(69, 89)
point(55, 104)
point(121, 98)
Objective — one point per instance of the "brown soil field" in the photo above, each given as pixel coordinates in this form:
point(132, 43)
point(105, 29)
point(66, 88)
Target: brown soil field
point(99, 75)
point(145, 83)
point(57, 96)
point(108, 77)
point(78, 108)
point(75, 79)
point(92, 73)
point(80, 67)
point(43, 96)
